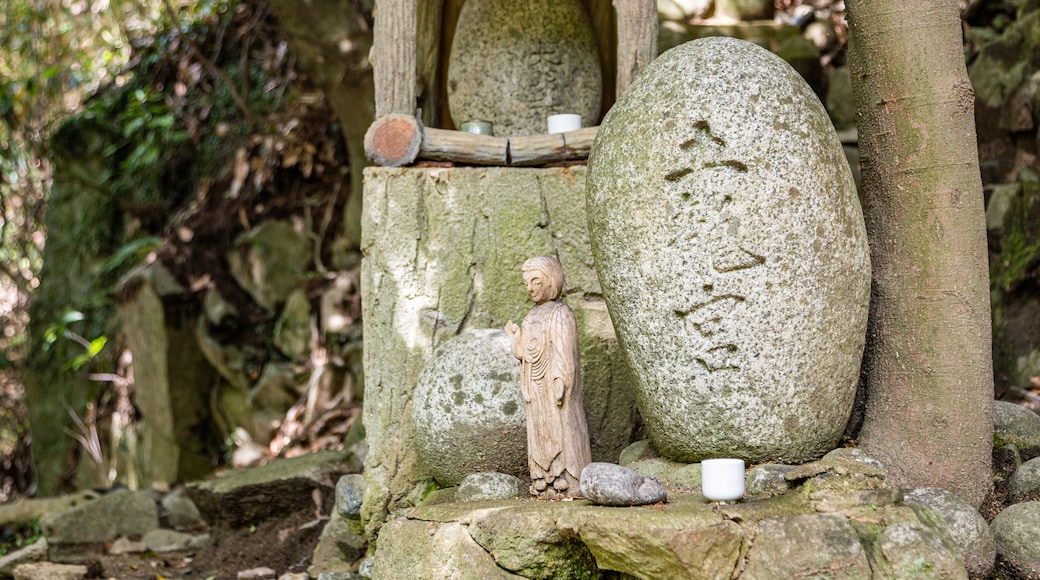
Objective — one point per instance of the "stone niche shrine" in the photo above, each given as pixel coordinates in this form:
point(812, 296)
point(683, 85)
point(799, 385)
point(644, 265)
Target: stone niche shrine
point(715, 260)
point(450, 216)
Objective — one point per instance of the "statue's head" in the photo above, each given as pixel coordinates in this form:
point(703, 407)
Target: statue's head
point(543, 276)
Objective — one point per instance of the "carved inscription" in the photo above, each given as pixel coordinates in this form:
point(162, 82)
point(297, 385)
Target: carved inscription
point(539, 75)
point(706, 228)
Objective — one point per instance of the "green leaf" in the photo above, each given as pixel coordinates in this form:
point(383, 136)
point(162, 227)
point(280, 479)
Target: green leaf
point(132, 252)
point(72, 316)
point(96, 345)
point(51, 335)
point(133, 126)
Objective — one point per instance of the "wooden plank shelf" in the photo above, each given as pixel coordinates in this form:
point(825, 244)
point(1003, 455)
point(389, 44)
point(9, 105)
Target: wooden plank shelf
point(398, 138)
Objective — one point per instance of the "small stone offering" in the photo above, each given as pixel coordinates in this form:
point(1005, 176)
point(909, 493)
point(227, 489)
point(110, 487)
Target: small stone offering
point(550, 382)
point(612, 485)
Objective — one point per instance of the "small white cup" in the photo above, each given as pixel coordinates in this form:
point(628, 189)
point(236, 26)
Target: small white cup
point(564, 122)
point(722, 479)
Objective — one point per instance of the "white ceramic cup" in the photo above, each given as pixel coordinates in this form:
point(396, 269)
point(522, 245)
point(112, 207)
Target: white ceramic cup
point(722, 479)
point(564, 122)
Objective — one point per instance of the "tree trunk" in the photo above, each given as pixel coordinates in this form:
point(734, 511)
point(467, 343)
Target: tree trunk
point(928, 364)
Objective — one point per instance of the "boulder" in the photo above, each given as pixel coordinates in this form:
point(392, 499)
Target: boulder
point(270, 261)
point(490, 485)
point(1018, 538)
point(1016, 425)
point(1025, 482)
point(839, 484)
point(276, 391)
point(34, 552)
point(642, 457)
point(250, 495)
point(261, 573)
point(124, 545)
point(529, 543)
point(779, 536)
point(685, 540)
point(179, 512)
point(718, 186)
point(292, 331)
point(908, 550)
point(782, 548)
point(120, 513)
point(767, 479)
point(745, 9)
point(50, 571)
point(966, 526)
point(683, 10)
point(853, 454)
point(417, 549)
point(468, 411)
point(614, 485)
point(163, 540)
point(350, 492)
point(516, 63)
point(840, 103)
point(27, 509)
point(339, 549)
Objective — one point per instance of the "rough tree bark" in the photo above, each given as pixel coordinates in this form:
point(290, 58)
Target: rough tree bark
point(928, 364)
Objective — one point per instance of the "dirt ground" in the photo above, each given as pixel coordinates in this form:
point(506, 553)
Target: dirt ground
point(283, 545)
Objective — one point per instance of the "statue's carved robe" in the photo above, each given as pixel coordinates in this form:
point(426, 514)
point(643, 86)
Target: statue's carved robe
point(557, 435)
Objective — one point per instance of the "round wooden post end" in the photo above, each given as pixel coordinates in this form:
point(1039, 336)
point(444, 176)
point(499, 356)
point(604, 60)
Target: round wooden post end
point(393, 140)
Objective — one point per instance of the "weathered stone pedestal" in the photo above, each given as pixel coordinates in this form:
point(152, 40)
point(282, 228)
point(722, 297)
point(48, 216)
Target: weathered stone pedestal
point(833, 525)
point(442, 254)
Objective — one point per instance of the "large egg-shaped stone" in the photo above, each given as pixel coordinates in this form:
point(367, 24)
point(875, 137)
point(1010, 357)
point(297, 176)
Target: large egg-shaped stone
point(515, 62)
point(731, 248)
point(468, 411)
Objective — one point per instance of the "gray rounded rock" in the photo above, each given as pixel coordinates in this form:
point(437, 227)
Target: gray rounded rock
point(490, 485)
point(745, 9)
point(350, 492)
point(468, 411)
point(179, 511)
point(905, 550)
point(516, 63)
point(732, 253)
point(1025, 482)
point(1016, 425)
point(965, 524)
point(365, 569)
point(854, 454)
point(767, 478)
point(613, 485)
point(1018, 537)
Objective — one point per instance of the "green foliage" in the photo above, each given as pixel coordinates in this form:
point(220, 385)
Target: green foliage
point(62, 330)
point(1017, 253)
point(1019, 245)
point(146, 132)
point(131, 253)
point(16, 537)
